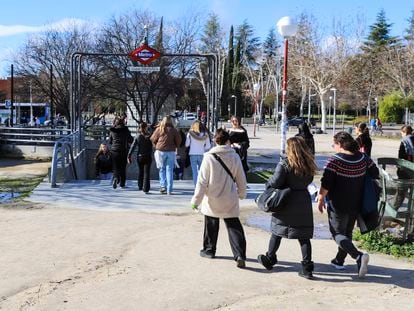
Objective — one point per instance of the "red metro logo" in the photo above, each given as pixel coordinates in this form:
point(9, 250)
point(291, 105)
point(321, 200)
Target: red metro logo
point(144, 54)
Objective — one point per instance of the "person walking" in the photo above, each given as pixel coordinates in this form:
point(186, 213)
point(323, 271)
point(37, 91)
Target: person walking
point(143, 145)
point(181, 157)
point(119, 139)
point(406, 152)
point(294, 220)
point(198, 141)
point(239, 140)
point(103, 163)
point(305, 133)
point(341, 192)
point(219, 187)
point(363, 139)
point(166, 140)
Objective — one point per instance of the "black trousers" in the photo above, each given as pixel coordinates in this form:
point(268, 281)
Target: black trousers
point(119, 163)
point(341, 226)
point(144, 168)
point(305, 247)
point(235, 231)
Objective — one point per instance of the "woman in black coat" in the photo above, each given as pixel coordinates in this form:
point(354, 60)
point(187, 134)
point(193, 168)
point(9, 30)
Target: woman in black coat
point(239, 140)
point(363, 139)
point(294, 220)
point(305, 133)
point(144, 156)
point(119, 138)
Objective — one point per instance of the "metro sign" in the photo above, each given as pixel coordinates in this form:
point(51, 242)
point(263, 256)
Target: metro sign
point(144, 54)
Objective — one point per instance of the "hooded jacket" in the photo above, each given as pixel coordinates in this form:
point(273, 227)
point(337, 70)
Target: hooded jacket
point(198, 143)
point(215, 191)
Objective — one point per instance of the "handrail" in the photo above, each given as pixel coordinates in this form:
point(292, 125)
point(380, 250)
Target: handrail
point(63, 152)
point(32, 135)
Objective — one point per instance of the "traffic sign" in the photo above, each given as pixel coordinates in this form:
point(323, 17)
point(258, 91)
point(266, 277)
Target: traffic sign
point(144, 69)
point(7, 103)
point(144, 54)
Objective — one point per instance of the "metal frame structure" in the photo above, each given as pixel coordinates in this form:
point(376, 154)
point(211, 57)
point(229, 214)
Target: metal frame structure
point(76, 81)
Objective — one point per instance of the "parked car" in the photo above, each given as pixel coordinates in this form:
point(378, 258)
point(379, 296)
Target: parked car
point(296, 121)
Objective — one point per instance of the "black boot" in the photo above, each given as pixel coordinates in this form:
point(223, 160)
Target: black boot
point(307, 269)
point(266, 261)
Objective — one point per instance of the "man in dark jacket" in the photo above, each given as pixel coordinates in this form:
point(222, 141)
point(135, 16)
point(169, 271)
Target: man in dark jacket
point(119, 139)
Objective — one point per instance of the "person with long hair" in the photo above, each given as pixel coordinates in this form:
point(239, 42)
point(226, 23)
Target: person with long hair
point(294, 220)
point(363, 139)
point(103, 163)
point(119, 138)
point(166, 140)
point(198, 141)
point(239, 140)
point(143, 145)
point(218, 190)
point(341, 192)
point(305, 133)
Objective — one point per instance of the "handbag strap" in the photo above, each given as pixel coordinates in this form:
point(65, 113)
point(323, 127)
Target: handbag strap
point(223, 165)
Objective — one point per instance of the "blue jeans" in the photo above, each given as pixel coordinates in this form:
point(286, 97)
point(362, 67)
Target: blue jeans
point(195, 160)
point(167, 169)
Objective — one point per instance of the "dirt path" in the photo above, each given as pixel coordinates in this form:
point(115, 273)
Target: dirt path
point(62, 259)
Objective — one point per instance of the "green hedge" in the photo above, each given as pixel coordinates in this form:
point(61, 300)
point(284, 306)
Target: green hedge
point(385, 243)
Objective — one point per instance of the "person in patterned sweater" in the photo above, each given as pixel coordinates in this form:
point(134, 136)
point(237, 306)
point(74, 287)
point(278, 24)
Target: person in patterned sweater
point(341, 192)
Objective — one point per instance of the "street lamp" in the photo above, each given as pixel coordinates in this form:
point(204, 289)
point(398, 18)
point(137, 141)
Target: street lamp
point(287, 28)
point(334, 110)
point(256, 88)
point(329, 110)
point(235, 104)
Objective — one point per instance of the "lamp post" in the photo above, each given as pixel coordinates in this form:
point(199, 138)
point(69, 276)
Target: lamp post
point(287, 28)
point(329, 110)
point(235, 104)
point(256, 88)
point(376, 106)
point(334, 110)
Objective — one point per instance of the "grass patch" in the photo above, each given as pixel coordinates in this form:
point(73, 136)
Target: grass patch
point(258, 177)
point(23, 185)
point(385, 243)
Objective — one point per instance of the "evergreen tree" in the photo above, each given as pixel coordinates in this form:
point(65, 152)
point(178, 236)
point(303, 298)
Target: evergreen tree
point(212, 35)
point(250, 45)
point(270, 45)
point(379, 36)
point(410, 30)
point(237, 78)
point(228, 73)
point(159, 46)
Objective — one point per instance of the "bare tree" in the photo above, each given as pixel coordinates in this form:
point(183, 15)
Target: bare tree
point(54, 47)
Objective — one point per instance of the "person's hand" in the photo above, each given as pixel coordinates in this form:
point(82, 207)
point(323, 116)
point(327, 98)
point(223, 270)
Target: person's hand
point(194, 207)
point(321, 203)
point(129, 160)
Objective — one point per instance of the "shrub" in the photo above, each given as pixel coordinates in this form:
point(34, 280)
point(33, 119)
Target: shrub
point(391, 108)
point(383, 242)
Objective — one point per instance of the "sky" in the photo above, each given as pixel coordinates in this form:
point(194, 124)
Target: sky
point(20, 19)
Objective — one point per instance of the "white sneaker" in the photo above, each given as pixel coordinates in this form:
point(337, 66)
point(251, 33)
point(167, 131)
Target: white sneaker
point(362, 263)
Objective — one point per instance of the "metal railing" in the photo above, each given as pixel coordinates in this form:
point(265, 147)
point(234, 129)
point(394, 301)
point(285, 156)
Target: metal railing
point(43, 136)
point(63, 157)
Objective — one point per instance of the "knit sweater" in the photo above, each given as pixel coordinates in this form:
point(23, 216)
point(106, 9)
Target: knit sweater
point(343, 177)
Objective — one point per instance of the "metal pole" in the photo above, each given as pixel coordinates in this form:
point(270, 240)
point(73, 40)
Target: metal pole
point(284, 93)
point(309, 104)
point(12, 95)
point(235, 106)
point(334, 112)
point(31, 102)
point(51, 96)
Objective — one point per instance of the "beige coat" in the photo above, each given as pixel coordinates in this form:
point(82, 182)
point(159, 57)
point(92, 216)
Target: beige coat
point(215, 192)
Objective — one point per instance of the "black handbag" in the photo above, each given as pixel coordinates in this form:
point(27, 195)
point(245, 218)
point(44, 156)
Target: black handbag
point(271, 200)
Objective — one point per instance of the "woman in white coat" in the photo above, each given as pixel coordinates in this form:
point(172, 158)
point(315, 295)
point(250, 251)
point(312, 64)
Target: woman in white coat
point(218, 192)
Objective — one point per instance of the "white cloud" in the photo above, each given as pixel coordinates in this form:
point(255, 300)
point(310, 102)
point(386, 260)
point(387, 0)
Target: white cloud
point(61, 25)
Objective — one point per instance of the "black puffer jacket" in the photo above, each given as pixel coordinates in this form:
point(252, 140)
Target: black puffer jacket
point(120, 138)
point(295, 219)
